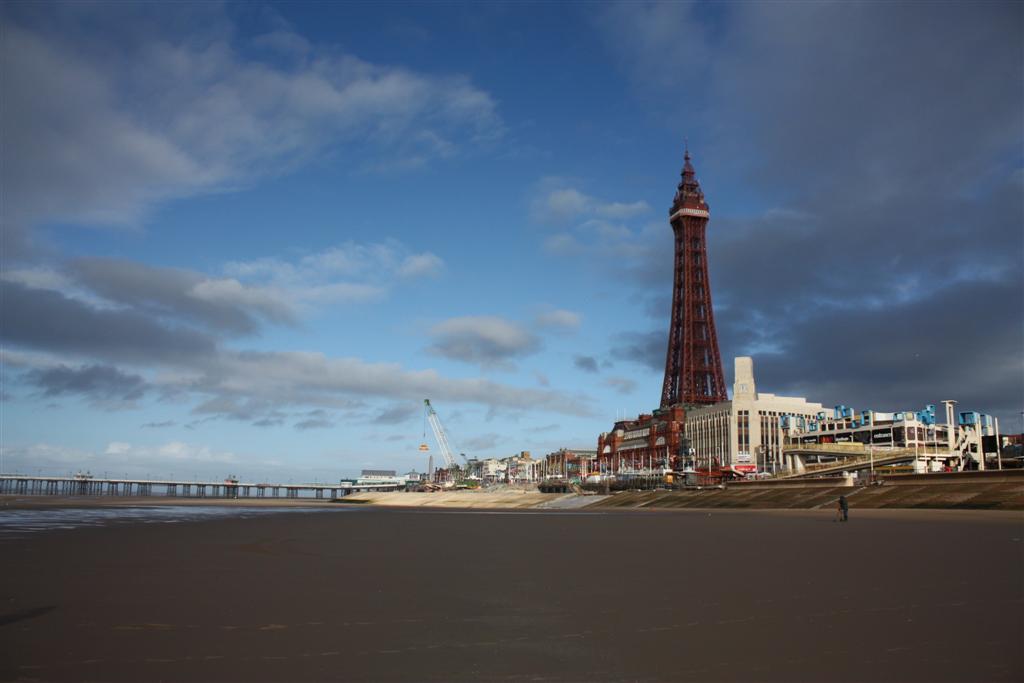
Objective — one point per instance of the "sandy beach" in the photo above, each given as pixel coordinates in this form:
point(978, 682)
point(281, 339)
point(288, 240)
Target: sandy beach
point(370, 594)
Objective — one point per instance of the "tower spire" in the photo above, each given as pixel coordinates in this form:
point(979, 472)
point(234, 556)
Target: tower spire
point(688, 192)
point(693, 366)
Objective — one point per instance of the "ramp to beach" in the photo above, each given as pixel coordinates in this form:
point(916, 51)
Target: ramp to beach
point(453, 499)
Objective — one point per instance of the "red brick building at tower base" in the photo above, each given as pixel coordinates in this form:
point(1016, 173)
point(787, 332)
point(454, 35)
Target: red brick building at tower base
point(693, 365)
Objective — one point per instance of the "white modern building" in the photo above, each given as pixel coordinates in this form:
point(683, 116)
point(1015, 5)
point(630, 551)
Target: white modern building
point(523, 469)
point(493, 470)
point(967, 440)
point(744, 434)
point(381, 477)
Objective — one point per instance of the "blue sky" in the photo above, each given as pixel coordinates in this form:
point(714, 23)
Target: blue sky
point(251, 238)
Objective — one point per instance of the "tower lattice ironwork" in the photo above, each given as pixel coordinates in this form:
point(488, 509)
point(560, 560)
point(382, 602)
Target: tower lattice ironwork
point(693, 366)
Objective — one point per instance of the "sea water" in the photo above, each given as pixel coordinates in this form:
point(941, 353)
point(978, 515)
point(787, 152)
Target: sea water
point(16, 523)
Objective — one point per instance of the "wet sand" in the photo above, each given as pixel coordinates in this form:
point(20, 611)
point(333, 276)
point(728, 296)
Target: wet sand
point(51, 502)
point(428, 595)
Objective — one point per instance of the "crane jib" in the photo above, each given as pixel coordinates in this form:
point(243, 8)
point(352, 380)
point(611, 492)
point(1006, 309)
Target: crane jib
point(440, 436)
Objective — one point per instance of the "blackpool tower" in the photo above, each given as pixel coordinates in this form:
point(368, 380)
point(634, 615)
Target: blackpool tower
point(693, 366)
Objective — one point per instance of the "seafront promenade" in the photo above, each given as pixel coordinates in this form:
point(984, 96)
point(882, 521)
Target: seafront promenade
point(994, 490)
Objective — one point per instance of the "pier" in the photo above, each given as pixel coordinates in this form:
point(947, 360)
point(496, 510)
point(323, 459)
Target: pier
point(40, 485)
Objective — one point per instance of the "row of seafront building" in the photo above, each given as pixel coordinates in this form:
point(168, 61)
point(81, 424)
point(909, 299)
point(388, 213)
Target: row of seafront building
point(519, 469)
point(763, 433)
point(751, 433)
point(755, 433)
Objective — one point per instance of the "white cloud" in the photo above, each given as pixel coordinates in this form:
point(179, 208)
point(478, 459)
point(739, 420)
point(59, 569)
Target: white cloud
point(305, 378)
point(420, 265)
point(219, 303)
point(347, 273)
point(89, 140)
point(179, 450)
point(253, 386)
point(556, 202)
point(586, 224)
point(49, 457)
point(622, 210)
point(121, 459)
point(37, 278)
point(559, 319)
point(339, 292)
point(606, 232)
point(564, 204)
point(172, 451)
point(177, 459)
point(482, 340)
point(562, 243)
point(231, 292)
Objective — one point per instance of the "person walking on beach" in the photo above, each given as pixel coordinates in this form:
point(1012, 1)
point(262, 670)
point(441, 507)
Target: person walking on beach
point(842, 509)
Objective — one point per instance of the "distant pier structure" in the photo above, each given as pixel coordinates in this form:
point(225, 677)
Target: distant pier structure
point(86, 485)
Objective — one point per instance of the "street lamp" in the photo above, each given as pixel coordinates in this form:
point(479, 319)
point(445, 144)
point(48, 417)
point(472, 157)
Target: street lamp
point(871, 445)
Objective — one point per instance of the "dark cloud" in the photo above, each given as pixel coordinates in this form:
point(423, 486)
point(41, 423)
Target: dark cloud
point(644, 348)
point(96, 382)
point(279, 379)
point(487, 341)
point(621, 385)
point(314, 419)
point(877, 158)
point(236, 408)
point(481, 442)
point(223, 305)
point(16, 244)
point(918, 202)
point(46, 320)
point(586, 363)
point(653, 39)
point(313, 423)
point(658, 303)
point(398, 413)
point(943, 73)
point(543, 428)
point(943, 347)
point(159, 425)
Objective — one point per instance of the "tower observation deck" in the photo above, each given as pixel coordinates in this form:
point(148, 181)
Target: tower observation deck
point(693, 366)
